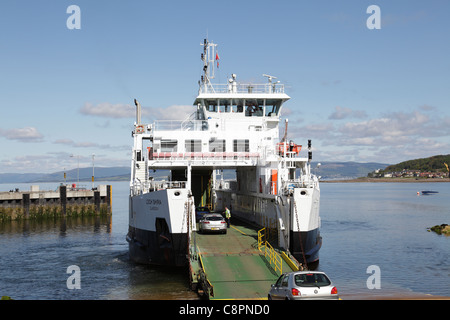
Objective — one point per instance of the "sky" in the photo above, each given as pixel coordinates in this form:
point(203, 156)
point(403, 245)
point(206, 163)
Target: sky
point(360, 94)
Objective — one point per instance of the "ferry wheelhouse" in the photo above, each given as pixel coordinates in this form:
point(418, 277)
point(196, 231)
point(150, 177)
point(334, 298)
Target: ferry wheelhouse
point(227, 153)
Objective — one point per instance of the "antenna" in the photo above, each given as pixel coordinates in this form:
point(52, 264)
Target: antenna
point(269, 77)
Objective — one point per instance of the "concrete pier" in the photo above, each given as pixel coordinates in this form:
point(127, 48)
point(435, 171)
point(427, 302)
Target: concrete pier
point(67, 200)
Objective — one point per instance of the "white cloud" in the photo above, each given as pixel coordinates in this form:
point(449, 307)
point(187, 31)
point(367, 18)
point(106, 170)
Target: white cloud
point(174, 112)
point(27, 134)
point(58, 161)
point(71, 143)
point(390, 138)
point(342, 113)
point(42, 163)
point(118, 111)
point(109, 110)
point(393, 129)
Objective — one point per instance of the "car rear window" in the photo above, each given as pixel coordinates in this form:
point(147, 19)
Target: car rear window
point(311, 280)
point(214, 218)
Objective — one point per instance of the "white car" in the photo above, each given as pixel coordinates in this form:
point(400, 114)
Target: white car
point(303, 285)
point(213, 222)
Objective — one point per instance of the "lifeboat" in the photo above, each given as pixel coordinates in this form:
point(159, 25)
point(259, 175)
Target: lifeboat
point(288, 148)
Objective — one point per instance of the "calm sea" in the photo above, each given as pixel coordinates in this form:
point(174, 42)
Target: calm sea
point(373, 224)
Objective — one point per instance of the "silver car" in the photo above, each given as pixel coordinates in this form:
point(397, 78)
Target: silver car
point(213, 222)
point(302, 285)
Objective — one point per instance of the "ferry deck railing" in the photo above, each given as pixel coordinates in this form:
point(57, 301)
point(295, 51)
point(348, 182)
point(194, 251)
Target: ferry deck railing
point(173, 156)
point(242, 88)
point(139, 187)
point(245, 124)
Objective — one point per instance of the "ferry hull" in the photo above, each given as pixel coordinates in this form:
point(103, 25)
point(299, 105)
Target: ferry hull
point(157, 232)
point(146, 247)
point(311, 241)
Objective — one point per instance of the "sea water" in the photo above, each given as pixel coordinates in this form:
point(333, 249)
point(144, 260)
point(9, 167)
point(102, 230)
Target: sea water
point(385, 225)
point(363, 225)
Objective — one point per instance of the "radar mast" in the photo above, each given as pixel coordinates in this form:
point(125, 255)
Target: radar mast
point(208, 57)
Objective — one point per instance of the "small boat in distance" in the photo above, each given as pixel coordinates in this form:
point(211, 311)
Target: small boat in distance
point(426, 192)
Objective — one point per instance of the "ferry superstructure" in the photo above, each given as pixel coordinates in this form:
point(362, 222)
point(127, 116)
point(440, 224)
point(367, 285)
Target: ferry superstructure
point(234, 128)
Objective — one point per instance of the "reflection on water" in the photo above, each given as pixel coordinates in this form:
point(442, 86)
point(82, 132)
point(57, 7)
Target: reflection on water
point(64, 225)
point(362, 224)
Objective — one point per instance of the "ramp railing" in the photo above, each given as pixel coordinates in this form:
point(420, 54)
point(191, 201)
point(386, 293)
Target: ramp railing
point(273, 257)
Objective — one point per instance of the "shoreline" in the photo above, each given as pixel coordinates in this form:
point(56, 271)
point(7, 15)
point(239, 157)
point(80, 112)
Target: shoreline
point(394, 180)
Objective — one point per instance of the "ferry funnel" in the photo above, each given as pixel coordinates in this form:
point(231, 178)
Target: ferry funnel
point(138, 112)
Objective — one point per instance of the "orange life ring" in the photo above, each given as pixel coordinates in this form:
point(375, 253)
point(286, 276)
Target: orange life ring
point(140, 129)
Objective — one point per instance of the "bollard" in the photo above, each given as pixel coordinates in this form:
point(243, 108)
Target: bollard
point(63, 199)
point(26, 204)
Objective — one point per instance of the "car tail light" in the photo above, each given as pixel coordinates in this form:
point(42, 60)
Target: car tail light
point(295, 292)
point(223, 222)
point(334, 290)
point(205, 221)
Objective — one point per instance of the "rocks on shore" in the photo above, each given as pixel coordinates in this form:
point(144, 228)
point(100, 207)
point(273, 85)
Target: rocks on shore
point(441, 229)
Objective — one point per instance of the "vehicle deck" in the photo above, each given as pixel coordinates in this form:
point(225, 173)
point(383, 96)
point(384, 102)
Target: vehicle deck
point(233, 265)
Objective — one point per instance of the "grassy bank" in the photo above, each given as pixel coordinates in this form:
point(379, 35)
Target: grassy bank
point(47, 212)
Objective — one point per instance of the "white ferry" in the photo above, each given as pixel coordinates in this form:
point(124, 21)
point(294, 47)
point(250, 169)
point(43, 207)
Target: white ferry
point(178, 166)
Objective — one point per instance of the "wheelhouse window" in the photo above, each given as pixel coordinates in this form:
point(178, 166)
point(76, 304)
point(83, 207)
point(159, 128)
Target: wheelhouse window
point(250, 107)
point(224, 105)
point(211, 105)
point(272, 107)
point(237, 105)
point(254, 107)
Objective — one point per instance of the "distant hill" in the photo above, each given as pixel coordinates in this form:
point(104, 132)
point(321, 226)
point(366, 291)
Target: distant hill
point(85, 174)
point(432, 164)
point(327, 171)
point(345, 170)
point(19, 177)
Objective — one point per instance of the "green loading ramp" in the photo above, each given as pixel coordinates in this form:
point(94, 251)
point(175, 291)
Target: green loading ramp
point(234, 267)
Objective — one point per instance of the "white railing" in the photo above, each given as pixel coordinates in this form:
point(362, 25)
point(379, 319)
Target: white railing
point(304, 181)
point(242, 88)
point(204, 156)
point(244, 124)
point(140, 187)
point(180, 125)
